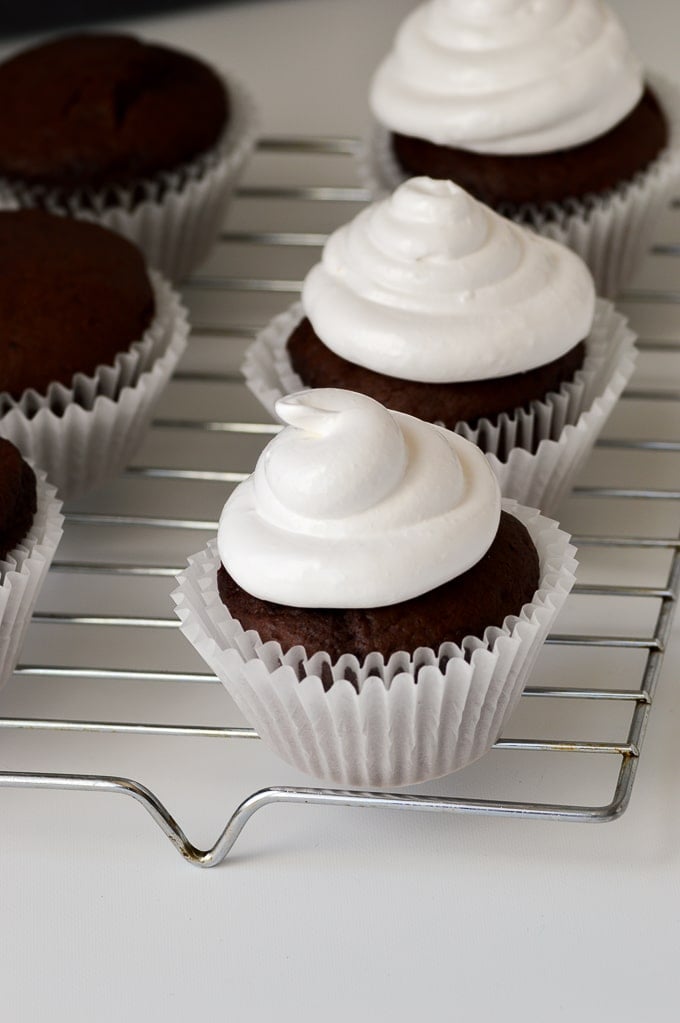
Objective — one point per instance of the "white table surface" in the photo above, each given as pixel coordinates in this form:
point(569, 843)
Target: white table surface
point(322, 912)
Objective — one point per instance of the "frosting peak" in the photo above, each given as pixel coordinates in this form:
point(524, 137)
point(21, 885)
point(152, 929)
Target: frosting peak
point(312, 468)
point(431, 285)
point(430, 220)
point(508, 76)
point(355, 506)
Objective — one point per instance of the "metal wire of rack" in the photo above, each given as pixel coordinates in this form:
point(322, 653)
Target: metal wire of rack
point(229, 327)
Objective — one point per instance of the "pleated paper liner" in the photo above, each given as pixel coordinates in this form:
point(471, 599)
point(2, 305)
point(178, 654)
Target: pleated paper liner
point(86, 433)
point(22, 574)
point(418, 716)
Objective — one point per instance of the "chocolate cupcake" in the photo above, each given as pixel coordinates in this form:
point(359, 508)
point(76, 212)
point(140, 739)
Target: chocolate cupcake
point(144, 139)
point(436, 306)
point(368, 604)
point(72, 296)
point(18, 501)
point(89, 341)
point(30, 529)
point(541, 111)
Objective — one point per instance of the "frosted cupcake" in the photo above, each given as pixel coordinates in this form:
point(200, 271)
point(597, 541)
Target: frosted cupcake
point(368, 604)
point(30, 530)
point(146, 140)
point(89, 340)
point(539, 109)
point(433, 304)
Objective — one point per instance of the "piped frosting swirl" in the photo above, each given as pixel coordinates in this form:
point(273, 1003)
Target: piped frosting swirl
point(431, 285)
point(508, 76)
point(352, 505)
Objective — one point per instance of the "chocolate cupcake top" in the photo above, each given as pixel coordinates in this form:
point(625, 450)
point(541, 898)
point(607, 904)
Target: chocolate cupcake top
point(72, 296)
point(18, 500)
point(508, 76)
point(430, 285)
point(355, 506)
point(97, 110)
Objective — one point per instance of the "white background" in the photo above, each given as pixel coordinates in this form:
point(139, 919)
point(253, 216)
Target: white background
point(323, 912)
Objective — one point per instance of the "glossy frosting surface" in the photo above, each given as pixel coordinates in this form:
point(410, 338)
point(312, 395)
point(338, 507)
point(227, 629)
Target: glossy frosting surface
point(431, 285)
point(352, 505)
point(508, 76)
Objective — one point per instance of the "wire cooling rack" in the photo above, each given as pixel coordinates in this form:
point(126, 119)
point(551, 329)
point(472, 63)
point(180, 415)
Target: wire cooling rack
point(206, 438)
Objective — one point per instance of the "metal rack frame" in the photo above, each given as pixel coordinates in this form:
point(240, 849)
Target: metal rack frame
point(653, 646)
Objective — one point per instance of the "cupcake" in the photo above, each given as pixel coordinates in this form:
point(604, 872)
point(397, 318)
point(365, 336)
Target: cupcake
point(30, 529)
point(89, 340)
point(540, 110)
point(143, 139)
point(368, 604)
point(436, 306)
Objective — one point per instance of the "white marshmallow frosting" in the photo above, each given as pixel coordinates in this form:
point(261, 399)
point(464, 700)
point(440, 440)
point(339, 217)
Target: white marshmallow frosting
point(431, 285)
point(508, 76)
point(352, 505)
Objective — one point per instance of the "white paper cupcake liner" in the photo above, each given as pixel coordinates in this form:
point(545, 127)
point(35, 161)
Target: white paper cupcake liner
point(175, 217)
point(611, 232)
point(418, 716)
point(22, 574)
point(86, 433)
point(535, 452)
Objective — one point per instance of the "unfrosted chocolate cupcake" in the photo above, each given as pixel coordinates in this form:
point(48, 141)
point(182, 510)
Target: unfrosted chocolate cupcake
point(18, 502)
point(379, 611)
point(30, 530)
point(88, 339)
point(72, 297)
point(102, 111)
point(146, 139)
point(541, 111)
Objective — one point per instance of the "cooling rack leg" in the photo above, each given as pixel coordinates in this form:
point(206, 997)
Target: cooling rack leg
point(300, 796)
